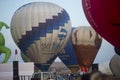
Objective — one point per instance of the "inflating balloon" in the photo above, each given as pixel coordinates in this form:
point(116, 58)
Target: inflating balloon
point(86, 43)
point(104, 17)
point(68, 56)
point(115, 65)
point(41, 30)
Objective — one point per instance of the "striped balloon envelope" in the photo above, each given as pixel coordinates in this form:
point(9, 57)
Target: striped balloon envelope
point(86, 44)
point(41, 30)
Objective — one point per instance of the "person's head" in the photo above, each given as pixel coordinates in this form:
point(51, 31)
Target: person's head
point(96, 76)
point(48, 78)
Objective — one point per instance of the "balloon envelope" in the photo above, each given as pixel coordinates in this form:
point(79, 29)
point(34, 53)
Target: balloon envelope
point(41, 30)
point(104, 17)
point(86, 43)
point(115, 65)
point(68, 56)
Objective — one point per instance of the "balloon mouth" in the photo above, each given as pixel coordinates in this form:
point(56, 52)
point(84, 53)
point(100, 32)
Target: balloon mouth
point(84, 69)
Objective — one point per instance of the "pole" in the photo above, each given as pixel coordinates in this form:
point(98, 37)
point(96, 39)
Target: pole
point(15, 68)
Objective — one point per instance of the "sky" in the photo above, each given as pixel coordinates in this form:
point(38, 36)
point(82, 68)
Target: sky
point(75, 11)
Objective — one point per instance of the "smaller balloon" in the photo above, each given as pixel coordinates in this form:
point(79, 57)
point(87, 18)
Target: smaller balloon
point(115, 65)
point(86, 44)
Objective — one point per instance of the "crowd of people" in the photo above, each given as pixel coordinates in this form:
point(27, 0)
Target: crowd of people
point(90, 76)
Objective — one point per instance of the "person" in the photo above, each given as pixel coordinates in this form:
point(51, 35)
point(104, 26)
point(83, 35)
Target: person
point(85, 77)
point(70, 76)
point(96, 76)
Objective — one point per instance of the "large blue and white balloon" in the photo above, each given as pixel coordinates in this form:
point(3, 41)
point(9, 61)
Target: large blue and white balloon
point(68, 56)
point(41, 30)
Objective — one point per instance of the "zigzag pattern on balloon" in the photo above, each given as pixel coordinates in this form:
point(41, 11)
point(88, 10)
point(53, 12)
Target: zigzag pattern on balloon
point(40, 31)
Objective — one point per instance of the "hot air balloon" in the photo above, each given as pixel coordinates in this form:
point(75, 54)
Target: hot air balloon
point(86, 43)
point(68, 56)
point(104, 17)
point(41, 30)
point(115, 65)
